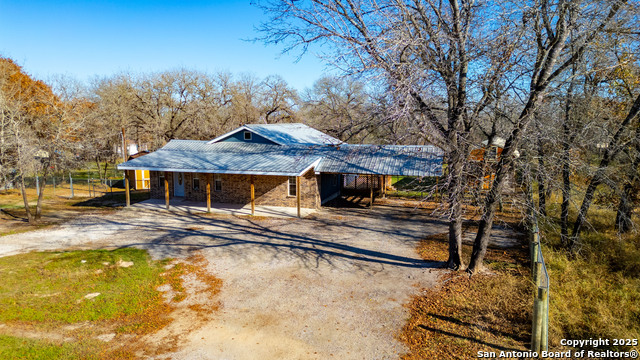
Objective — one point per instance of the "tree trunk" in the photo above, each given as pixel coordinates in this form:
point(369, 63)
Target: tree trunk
point(484, 228)
point(26, 201)
point(566, 197)
point(98, 167)
point(542, 192)
point(455, 207)
point(41, 194)
point(567, 141)
point(493, 198)
point(627, 197)
point(625, 209)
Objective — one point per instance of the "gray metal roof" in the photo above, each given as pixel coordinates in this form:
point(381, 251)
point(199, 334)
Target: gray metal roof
point(290, 160)
point(286, 134)
point(226, 158)
point(409, 160)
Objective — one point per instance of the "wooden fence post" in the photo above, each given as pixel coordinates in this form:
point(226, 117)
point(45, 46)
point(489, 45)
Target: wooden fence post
point(538, 310)
point(544, 336)
point(537, 273)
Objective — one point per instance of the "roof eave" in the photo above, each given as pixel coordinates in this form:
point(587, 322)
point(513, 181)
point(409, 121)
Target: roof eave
point(207, 171)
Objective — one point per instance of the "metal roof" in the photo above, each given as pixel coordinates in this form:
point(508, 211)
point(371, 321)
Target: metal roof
point(290, 160)
point(286, 134)
point(226, 158)
point(409, 160)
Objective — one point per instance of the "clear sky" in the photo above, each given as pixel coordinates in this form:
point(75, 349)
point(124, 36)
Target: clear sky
point(88, 38)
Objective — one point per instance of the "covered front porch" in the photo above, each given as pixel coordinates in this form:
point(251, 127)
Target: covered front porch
point(192, 207)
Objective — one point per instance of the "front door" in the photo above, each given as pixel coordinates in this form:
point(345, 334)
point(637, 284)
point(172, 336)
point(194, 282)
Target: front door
point(178, 184)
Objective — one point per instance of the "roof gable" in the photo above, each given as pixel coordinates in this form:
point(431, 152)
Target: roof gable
point(281, 134)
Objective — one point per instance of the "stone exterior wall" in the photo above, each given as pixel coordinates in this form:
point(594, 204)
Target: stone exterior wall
point(236, 189)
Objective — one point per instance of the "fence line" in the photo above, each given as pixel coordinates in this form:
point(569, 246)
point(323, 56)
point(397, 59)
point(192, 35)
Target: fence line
point(69, 186)
point(540, 324)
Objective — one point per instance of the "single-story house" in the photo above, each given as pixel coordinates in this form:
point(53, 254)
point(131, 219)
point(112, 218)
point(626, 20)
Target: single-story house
point(278, 164)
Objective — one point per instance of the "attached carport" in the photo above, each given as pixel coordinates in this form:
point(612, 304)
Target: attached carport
point(363, 169)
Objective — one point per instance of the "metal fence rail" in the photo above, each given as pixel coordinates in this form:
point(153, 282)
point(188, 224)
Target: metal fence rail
point(540, 325)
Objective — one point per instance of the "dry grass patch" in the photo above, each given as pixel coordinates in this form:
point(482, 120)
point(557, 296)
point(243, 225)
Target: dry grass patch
point(595, 293)
point(56, 208)
point(487, 312)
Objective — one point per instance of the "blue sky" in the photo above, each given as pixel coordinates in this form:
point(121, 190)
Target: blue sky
point(84, 39)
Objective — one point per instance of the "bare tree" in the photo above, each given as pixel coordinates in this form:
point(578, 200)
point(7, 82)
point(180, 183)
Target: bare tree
point(277, 100)
point(564, 32)
point(447, 61)
point(340, 107)
point(38, 129)
point(434, 55)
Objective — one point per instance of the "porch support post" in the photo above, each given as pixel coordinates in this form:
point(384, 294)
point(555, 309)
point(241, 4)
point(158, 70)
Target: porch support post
point(298, 190)
point(166, 189)
point(371, 191)
point(208, 193)
point(127, 195)
point(253, 196)
point(384, 186)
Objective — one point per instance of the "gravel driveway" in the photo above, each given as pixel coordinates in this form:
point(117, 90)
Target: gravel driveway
point(330, 286)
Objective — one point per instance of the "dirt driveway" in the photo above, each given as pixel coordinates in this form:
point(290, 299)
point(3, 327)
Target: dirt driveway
point(330, 286)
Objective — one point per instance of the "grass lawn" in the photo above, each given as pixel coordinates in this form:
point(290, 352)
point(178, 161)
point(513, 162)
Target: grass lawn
point(56, 305)
point(413, 187)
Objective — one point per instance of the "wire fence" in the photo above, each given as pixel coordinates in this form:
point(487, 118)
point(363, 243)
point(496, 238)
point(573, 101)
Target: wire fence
point(540, 325)
point(73, 187)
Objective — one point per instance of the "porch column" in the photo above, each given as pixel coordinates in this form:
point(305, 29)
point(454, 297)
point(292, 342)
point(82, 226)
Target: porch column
point(126, 172)
point(127, 196)
point(371, 196)
point(298, 194)
point(383, 189)
point(166, 189)
point(208, 193)
point(253, 197)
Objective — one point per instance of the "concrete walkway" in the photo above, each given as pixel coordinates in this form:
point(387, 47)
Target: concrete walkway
point(193, 207)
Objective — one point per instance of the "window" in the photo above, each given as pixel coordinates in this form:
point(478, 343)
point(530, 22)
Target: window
point(217, 185)
point(247, 135)
point(292, 186)
point(196, 183)
point(161, 180)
